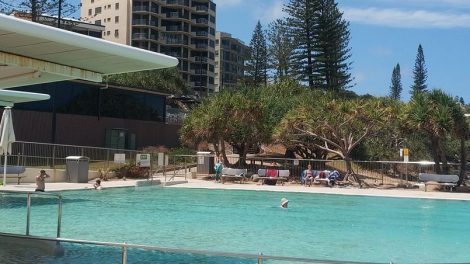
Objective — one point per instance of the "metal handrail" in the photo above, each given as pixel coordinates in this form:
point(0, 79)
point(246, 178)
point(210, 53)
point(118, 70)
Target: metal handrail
point(28, 207)
point(260, 257)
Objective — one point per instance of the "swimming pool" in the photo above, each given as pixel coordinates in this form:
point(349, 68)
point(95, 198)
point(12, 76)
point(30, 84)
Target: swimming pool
point(316, 226)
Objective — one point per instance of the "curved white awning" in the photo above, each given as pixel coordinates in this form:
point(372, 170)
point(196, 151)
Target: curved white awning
point(32, 53)
point(9, 98)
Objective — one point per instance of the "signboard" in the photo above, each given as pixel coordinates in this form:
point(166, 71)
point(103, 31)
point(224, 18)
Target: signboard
point(161, 159)
point(143, 160)
point(406, 156)
point(119, 158)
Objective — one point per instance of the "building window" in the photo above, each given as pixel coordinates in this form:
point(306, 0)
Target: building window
point(92, 1)
point(109, 6)
point(108, 32)
point(116, 19)
point(97, 22)
point(90, 12)
point(109, 19)
point(98, 10)
point(116, 33)
point(116, 6)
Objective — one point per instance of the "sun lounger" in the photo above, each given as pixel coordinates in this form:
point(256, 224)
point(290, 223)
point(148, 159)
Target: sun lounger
point(449, 181)
point(236, 174)
point(14, 172)
point(273, 176)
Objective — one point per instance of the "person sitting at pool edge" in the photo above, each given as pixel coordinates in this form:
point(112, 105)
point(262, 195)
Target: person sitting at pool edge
point(41, 181)
point(284, 203)
point(97, 184)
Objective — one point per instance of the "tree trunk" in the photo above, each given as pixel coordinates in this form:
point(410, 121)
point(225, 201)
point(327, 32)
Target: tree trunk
point(435, 155)
point(34, 10)
point(463, 161)
point(350, 176)
point(445, 166)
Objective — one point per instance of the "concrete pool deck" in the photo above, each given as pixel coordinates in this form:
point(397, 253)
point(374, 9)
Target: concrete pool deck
point(205, 184)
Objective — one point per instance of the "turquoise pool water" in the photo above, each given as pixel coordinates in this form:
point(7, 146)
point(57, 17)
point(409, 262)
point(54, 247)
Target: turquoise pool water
point(334, 227)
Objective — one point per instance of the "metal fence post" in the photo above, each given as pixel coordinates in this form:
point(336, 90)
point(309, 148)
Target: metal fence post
point(59, 216)
point(53, 156)
point(185, 168)
point(107, 159)
point(124, 254)
point(22, 153)
point(28, 212)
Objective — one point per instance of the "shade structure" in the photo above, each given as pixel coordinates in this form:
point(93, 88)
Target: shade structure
point(31, 53)
point(7, 137)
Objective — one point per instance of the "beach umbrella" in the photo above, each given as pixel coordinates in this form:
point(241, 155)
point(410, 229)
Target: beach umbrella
point(7, 137)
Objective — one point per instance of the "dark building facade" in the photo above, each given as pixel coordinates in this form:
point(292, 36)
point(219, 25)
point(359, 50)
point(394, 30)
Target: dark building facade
point(89, 114)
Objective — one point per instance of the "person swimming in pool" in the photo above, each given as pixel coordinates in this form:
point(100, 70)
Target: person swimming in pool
point(97, 184)
point(284, 203)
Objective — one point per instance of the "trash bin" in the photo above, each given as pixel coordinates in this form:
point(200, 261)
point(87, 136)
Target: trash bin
point(205, 163)
point(76, 169)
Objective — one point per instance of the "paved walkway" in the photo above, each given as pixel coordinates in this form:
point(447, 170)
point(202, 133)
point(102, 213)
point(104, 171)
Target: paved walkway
point(196, 183)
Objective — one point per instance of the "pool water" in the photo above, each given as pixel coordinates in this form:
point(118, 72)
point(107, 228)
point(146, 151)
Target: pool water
point(333, 227)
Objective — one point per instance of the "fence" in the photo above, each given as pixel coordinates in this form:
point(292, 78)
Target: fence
point(45, 155)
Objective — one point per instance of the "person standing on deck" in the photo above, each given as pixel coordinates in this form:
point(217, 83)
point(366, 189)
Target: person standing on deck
point(41, 181)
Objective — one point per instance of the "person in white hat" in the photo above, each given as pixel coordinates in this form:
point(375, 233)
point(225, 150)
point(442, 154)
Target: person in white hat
point(284, 202)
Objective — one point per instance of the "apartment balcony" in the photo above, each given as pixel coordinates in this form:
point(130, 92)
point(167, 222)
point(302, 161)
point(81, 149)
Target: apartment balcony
point(173, 54)
point(173, 41)
point(200, 59)
point(144, 22)
point(173, 28)
point(143, 36)
point(178, 2)
point(140, 8)
point(199, 71)
point(202, 34)
point(202, 8)
point(201, 46)
point(203, 21)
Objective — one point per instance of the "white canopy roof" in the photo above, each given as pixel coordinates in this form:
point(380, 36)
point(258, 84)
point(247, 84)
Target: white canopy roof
point(32, 53)
point(9, 98)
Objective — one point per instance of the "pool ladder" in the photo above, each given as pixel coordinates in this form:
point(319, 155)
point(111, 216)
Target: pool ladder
point(28, 207)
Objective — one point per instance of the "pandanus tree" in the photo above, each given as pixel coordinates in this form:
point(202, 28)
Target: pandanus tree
point(440, 118)
point(334, 125)
point(231, 116)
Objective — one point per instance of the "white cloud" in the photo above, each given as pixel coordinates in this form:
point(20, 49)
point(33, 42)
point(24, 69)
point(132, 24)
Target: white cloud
point(227, 3)
point(406, 19)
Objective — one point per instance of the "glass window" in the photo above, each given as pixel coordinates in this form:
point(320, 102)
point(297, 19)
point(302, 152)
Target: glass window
point(98, 10)
point(116, 6)
point(97, 22)
point(116, 19)
point(90, 12)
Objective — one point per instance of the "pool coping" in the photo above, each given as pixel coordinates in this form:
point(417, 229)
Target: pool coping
point(205, 184)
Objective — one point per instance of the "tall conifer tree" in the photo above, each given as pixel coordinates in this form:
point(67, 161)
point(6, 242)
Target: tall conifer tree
point(420, 73)
point(257, 64)
point(280, 49)
point(331, 48)
point(396, 87)
point(301, 22)
point(322, 36)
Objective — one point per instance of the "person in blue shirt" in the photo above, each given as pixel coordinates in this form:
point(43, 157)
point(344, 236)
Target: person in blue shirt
point(218, 168)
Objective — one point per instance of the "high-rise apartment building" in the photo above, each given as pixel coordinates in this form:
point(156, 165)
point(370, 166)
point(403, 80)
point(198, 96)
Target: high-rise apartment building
point(230, 55)
point(184, 29)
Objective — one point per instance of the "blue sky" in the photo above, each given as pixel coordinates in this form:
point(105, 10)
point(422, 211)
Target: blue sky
point(383, 33)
